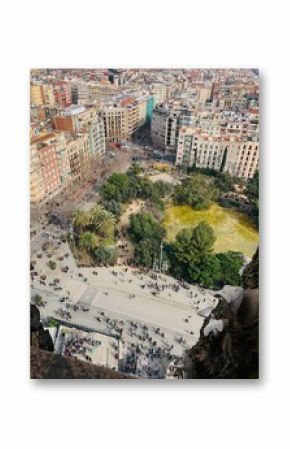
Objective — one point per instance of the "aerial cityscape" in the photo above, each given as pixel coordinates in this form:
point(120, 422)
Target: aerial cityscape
point(144, 223)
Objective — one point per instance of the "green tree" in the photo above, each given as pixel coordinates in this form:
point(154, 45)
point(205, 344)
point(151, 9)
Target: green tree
point(80, 220)
point(188, 249)
point(224, 159)
point(144, 226)
point(145, 252)
point(225, 182)
point(135, 169)
point(230, 264)
point(252, 190)
point(52, 265)
point(197, 191)
point(202, 239)
point(107, 226)
point(104, 255)
point(103, 221)
point(52, 322)
point(117, 188)
point(162, 189)
point(145, 188)
point(97, 216)
point(38, 300)
point(192, 243)
point(114, 207)
point(205, 270)
point(181, 247)
point(88, 241)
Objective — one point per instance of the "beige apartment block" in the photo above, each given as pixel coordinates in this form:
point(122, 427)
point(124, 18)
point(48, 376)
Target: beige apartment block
point(116, 123)
point(159, 92)
point(37, 189)
point(79, 157)
point(240, 158)
point(36, 95)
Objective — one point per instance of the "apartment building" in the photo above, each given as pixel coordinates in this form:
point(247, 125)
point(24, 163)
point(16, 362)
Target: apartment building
point(48, 94)
point(50, 169)
point(97, 139)
point(37, 188)
point(116, 123)
point(159, 92)
point(79, 119)
point(36, 95)
point(204, 95)
point(78, 156)
point(123, 117)
point(57, 160)
point(231, 154)
point(79, 93)
point(165, 125)
point(62, 94)
point(243, 159)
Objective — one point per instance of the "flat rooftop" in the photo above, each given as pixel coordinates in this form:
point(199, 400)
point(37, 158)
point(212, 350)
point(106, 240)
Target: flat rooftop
point(102, 349)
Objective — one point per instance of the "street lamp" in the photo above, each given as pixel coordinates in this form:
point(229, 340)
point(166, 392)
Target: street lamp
point(161, 255)
point(72, 238)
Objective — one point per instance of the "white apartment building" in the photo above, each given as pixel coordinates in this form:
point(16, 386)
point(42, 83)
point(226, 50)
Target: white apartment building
point(159, 92)
point(78, 118)
point(239, 158)
point(97, 139)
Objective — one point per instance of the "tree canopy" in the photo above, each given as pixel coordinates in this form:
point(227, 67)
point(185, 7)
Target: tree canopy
point(122, 188)
point(144, 226)
point(145, 252)
point(192, 258)
point(252, 190)
point(80, 219)
point(252, 193)
point(114, 207)
point(95, 231)
point(88, 241)
point(117, 188)
point(230, 265)
point(197, 191)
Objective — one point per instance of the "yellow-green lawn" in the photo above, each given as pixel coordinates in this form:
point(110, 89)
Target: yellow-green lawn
point(234, 230)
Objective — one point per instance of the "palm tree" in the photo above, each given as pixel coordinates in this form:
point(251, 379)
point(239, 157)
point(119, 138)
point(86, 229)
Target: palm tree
point(97, 215)
point(88, 241)
point(80, 219)
point(106, 227)
point(102, 220)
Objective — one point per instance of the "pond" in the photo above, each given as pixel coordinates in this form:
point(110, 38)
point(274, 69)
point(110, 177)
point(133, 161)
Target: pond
point(234, 230)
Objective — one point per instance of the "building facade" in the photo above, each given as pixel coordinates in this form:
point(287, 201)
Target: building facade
point(229, 154)
point(79, 119)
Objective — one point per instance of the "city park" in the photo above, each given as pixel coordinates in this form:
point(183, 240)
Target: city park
point(149, 253)
point(167, 223)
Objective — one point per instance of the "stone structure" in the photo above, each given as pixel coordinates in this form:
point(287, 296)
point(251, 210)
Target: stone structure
point(44, 364)
point(231, 350)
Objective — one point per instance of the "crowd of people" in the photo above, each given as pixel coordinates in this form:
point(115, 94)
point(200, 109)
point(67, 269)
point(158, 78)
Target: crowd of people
point(147, 350)
point(79, 346)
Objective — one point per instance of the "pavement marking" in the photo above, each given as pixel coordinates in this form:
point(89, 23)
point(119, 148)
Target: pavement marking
point(89, 295)
point(97, 296)
point(76, 289)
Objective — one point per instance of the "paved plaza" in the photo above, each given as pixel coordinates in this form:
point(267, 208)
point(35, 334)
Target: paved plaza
point(158, 315)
